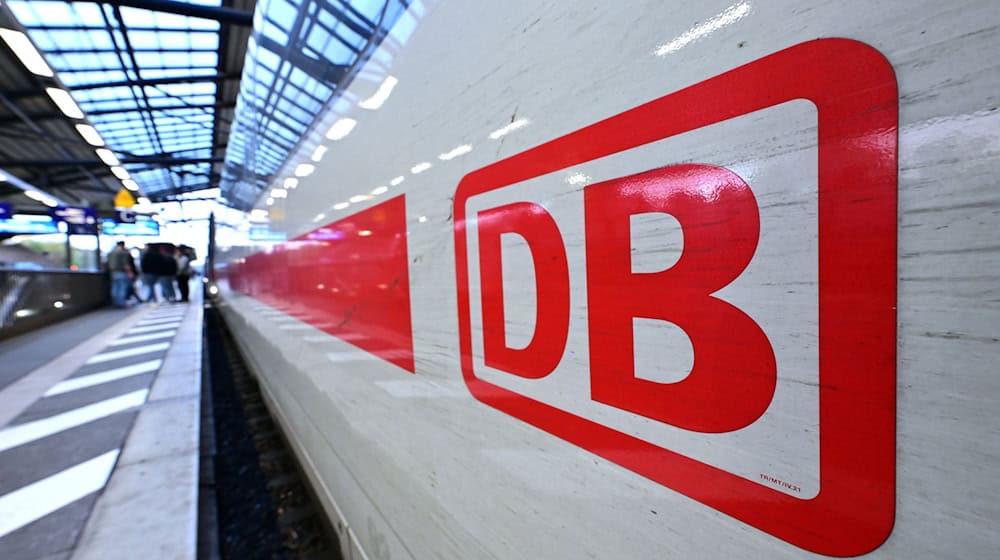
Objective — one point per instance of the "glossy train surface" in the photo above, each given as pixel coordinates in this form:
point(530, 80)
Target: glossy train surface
point(643, 280)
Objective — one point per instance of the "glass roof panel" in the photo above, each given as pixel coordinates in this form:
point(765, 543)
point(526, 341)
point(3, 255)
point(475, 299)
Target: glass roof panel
point(98, 49)
point(301, 56)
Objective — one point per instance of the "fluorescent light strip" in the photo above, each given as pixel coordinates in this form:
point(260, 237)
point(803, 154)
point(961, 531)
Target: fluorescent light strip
point(41, 197)
point(26, 52)
point(66, 104)
point(90, 134)
point(107, 156)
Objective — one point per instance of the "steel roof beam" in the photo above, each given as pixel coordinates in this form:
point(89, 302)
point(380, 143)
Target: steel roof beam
point(159, 161)
point(45, 134)
point(223, 15)
point(138, 49)
point(159, 81)
point(135, 109)
point(320, 70)
point(217, 78)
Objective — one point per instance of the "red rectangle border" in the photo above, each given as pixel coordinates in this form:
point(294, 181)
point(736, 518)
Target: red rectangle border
point(854, 90)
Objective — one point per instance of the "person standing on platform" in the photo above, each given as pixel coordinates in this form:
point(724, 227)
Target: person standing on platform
point(167, 272)
point(121, 274)
point(184, 271)
point(131, 293)
point(148, 262)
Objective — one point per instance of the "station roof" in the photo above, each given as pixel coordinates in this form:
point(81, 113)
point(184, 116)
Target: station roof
point(134, 94)
point(143, 93)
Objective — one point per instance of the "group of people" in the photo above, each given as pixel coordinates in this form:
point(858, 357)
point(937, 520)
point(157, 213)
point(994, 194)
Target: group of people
point(160, 264)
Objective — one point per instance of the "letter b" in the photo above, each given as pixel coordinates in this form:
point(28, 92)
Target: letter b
point(733, 378)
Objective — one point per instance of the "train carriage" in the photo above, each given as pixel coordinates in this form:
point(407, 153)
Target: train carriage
point(641, 280)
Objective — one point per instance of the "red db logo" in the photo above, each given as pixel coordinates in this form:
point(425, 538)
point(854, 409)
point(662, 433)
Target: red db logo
point(725, 327)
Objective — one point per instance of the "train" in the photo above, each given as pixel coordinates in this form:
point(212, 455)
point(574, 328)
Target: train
point(650, 279)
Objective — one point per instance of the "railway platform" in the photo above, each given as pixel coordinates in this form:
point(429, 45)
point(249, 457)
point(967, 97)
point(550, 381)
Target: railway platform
point(99, 436)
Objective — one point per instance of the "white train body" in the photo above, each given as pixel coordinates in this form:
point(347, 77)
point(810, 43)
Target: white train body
point(646, 280)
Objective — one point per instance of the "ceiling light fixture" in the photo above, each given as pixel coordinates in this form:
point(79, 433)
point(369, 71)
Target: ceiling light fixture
point(90, 134)
point(107, 156)
point(65, 102)
point(42, 197)
point(26, 52)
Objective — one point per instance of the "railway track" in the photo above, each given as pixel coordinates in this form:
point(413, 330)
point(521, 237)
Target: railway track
point(262, 505)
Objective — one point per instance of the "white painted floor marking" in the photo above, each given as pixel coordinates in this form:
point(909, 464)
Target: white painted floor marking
point(103, 377)
point(167, 313)
point(146, 322)
point(31, 431)
point(171, 315)
point(152, 328)
point(36, 500)
point(108, 356)
point(143, 338)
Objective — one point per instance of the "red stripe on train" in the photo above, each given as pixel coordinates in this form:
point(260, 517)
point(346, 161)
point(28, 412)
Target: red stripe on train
point(349, 278)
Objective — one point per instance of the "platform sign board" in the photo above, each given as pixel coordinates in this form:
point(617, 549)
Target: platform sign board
point(124, 199)
point(142, 226)
point(27, 224)
point(123, 216)
point(79, 220)
point(6, 211)
point(264, 233)
point(673, 317)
